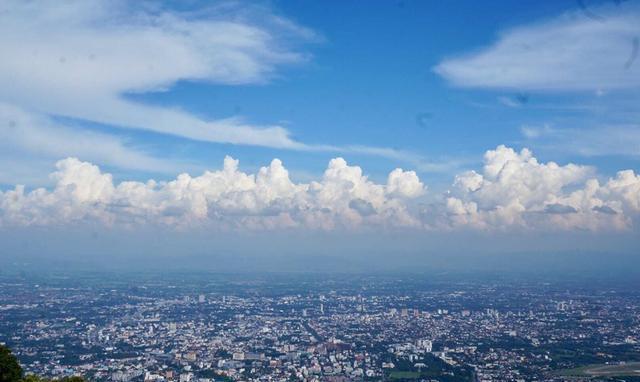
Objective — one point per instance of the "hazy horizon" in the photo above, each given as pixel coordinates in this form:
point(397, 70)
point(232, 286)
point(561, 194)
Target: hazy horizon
point(277, 135)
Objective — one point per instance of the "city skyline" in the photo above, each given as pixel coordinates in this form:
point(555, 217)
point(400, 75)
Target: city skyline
point(187, 327)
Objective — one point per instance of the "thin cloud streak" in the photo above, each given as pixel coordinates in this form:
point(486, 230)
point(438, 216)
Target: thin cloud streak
point(622, 140)
point(37, 139)
point(78, 59)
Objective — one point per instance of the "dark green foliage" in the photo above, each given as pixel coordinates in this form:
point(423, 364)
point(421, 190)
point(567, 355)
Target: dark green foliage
point(34, 378)
point(209, 373)
point(72, 379)
point(435, 369)
point(10, 370)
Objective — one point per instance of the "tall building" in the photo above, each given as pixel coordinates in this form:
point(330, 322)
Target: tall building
point(201, 299)
point(426, 345)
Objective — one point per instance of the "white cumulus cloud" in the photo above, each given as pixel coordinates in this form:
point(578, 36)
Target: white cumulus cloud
point(224, 199)
point(512, 191)
point(515, 190)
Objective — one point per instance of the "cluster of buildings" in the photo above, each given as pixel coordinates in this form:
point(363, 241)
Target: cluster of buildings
point(474, 332)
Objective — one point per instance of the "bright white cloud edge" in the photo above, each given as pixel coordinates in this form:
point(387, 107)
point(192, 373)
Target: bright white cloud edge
point(513, 191)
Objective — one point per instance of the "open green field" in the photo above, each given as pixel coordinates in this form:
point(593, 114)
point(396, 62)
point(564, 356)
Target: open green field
point(601, 370)
point(404, 375)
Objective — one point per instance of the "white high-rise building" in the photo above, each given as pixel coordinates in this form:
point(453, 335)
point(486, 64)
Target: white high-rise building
point(426, 345)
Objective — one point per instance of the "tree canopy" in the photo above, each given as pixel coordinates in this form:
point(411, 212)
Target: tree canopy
point(10, 370)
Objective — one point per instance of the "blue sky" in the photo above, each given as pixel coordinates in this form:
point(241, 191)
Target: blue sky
point(371, 82)
point(458, 116)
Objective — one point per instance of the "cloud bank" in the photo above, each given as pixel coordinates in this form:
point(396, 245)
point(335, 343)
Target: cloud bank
point(513, 191)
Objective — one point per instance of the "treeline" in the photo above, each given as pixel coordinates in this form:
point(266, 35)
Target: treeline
point(11, 371)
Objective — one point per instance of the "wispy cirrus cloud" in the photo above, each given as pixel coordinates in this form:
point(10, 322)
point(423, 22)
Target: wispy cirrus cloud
point(31, 141)
point(590, 50)
point(571, 52)
point(81, 59)
point(622, 140)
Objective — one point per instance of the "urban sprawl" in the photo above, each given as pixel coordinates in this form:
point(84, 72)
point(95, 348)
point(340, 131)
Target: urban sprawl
point(314, 328)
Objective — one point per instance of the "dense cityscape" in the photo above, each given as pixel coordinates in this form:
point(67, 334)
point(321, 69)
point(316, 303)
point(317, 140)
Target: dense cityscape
point(310, 327)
